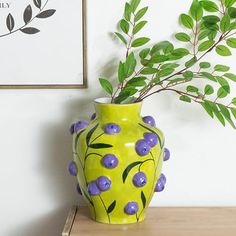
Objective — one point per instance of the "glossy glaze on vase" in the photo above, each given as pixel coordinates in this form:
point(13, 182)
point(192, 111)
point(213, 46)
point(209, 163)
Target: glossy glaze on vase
point(116, 177)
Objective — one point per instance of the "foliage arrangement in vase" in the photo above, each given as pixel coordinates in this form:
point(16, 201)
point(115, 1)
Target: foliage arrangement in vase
point(119, 151)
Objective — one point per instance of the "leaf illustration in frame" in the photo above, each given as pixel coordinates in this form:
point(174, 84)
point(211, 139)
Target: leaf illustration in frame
point(10, 22)
point(38, 3)
point(30, 30)
point(27, 14)
point(46, 14)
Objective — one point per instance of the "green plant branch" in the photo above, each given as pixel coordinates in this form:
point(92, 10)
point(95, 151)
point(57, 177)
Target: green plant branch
point(221, 38)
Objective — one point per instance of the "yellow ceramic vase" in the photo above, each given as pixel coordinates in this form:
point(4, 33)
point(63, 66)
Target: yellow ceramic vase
point(117, 161)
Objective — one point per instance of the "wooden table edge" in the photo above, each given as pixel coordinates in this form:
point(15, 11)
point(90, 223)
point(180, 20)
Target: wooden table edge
point(69, 221)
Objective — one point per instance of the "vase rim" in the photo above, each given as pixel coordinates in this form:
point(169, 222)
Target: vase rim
point(107, 101)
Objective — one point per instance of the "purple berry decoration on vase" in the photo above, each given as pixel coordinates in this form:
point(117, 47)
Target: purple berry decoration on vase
point(103, 183)
point(140, 179)
point(93, 189)
point(72, 168)
point(149, 120)
point(166, 154)
point(151, 139)
point(131, 208)
point(160, 185)
point(78, 189)
point(163, 179)
point(93, 116)
point(112, 128)
point(78, 126)
point(142, 147)
point(110, 161)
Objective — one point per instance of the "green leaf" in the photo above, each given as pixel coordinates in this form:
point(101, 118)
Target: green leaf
point(140, 14)
point(234, 101)
point(125, 94)
point(140, 42)
point(212, 34)
point(128, 11)
point(122, 97)
point(164, 46)
point(203, 34)
point(121, 37)
point(221, 68)
point(99, 145)
point(179, 80)
point(170, 65)
point(134, 4)
point(111, 207)
point(223, 50)
point(128, 169)
point(208, 90)
point(192, 89)
point(156, 58)
point(185, 98)
point(144, 53)
point(205, 45)
point(208, 76)
point(221, 93)
point(232, 12)
point(121, 72)
point(204, 65)
point(186, 20)
point(106, 85)
point(208, 108)
point(183, 37)
point(233, 111)
point(143, 198)
point(211, 20)
point(124, 25)
point(148, 71)
point(166, 72)
point(137, 82)
point(130, 65)
point(209, 6)
point(196, 10)
point(90, 133)
point(224, 83)
point(226, 114)
point(191, 62)
point(188, 74)
point(217, 113)
point(231, 42)
point(230, 76)
point(139, 26)
point(179, 53)
point(225, 23)
point(229, 3)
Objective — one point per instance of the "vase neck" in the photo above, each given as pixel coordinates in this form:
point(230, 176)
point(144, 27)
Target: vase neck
point(109, 113)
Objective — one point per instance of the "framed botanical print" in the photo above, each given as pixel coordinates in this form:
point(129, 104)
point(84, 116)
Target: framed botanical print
point(43, 44)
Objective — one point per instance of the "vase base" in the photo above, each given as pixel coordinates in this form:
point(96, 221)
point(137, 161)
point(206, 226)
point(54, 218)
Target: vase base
point(123, 221)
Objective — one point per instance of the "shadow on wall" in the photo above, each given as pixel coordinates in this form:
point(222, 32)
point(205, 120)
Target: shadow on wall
point(58, 186)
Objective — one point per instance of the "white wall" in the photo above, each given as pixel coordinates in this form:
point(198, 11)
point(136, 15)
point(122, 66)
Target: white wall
point(35, 146)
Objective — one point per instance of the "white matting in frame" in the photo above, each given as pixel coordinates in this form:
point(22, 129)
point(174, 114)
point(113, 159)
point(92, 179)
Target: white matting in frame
point(43, 44)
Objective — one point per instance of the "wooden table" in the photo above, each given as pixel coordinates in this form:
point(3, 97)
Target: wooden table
point(159, 222)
